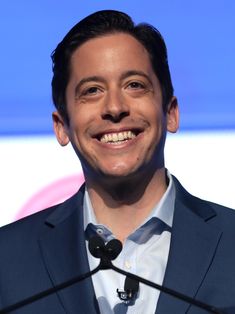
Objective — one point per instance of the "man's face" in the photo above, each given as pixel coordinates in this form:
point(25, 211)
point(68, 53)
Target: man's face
point(114, 103)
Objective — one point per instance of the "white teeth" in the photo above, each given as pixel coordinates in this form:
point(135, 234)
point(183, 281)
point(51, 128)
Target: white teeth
point(120, 136)
point(114, 137)
point(117, 137)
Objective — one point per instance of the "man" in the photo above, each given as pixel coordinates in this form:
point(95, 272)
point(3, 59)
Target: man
point(114, 99)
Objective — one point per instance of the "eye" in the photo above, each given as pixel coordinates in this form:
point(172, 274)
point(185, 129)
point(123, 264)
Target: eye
point(136, 85)
point(93, 90)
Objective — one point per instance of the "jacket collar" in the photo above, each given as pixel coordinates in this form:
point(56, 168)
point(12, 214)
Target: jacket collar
point(193, 246)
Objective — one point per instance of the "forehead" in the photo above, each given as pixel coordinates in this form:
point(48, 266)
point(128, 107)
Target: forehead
point(116, 50)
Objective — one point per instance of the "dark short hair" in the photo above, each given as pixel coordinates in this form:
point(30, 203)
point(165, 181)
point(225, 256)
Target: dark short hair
point(98, 24)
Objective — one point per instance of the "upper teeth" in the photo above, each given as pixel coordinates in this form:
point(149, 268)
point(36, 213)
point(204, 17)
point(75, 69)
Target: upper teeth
point(115, 137)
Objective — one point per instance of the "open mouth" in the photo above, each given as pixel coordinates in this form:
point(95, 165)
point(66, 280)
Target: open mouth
point(118, 137)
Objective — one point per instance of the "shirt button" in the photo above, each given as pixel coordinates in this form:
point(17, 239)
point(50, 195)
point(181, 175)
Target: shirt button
point(127, 264)
point(100, 231)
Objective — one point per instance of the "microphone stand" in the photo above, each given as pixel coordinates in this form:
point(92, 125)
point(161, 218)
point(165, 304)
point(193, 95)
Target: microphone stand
point(105, 263)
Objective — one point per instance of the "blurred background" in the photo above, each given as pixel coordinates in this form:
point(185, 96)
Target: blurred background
point(35, 172)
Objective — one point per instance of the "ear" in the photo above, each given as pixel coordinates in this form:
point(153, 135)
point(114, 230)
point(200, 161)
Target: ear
point(172, 115)
point(60, 129)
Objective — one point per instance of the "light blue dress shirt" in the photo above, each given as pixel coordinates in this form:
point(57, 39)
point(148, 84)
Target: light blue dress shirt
point(145, 253)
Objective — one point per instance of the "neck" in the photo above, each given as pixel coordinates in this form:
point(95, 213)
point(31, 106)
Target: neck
point(123, 205)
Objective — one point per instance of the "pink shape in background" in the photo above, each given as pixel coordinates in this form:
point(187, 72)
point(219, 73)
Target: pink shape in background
point(52, 194)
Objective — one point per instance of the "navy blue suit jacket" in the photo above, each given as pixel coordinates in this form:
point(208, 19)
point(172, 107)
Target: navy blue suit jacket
point(47, 248)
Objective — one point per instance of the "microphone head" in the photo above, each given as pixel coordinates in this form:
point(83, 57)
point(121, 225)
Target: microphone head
point(131, 285)
point(113, 248)
point(96, 246)
point(131, 288)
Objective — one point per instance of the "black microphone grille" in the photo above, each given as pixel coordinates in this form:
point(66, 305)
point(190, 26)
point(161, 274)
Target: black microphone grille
point(96, 246)
point(113, 248)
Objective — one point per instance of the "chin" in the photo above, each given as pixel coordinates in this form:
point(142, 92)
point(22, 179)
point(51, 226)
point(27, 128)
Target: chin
point(111, 170)
point(119, 169)
point(119, 173)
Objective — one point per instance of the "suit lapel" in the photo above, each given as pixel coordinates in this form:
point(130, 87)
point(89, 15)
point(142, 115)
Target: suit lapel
point(193, 246)
point(64, 254)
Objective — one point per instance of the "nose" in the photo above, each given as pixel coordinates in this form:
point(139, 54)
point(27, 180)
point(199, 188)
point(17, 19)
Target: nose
point(115, 107)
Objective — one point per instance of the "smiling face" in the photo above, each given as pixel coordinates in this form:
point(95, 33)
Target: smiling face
point(114, 103)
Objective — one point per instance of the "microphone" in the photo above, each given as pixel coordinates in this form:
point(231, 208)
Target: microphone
point(106, 253)
point(96, 246)
point(131, 288)
point(113, 249)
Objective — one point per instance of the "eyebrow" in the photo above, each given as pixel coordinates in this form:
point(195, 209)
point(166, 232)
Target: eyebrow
point(134, 72)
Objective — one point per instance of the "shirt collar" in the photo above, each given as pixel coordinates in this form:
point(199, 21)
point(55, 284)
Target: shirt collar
point(164, 210)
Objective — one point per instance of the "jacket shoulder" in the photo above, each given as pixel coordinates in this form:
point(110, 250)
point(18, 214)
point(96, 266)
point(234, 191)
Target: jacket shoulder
point(210, 212)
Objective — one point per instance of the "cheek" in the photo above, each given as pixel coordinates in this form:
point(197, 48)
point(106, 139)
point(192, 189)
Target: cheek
point(81, 118)
point(156, 117)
